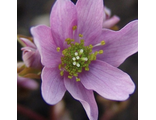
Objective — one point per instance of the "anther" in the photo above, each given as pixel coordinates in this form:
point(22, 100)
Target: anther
point(61, 73)
point(103, 42)
point(75, 74)
point(58, 49)
point(90, 46)
point(82, 41)
point(77, 79)
point(100, 51)
point(74, 27)
point(86, 68)
point(80, 35)
point(68, 40)
point(70, 77)
point(59, 66)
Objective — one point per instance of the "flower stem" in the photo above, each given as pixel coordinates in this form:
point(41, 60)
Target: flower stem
point(29, 113)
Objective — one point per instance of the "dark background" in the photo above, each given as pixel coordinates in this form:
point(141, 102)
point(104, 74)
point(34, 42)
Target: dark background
point(28, 12)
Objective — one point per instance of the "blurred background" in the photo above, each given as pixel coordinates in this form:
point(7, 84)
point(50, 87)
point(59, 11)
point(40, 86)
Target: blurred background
point(34, 12)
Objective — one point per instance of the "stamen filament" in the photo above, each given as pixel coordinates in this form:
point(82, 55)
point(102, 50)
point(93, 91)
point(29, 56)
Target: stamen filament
point(101, 43)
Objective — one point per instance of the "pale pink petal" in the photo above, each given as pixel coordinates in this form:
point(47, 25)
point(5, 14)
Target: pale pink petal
point(90, 18)
point(119, 44)
point(46, 46)
point(27, 83)
point(53, 88)
point(32, 58)
point(86, 97)
point(28, 43)
point(108, 81)
point(111, 22)
point(107, 13)
point(63, 17)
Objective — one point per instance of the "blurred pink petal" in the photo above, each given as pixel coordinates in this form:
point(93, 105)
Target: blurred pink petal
point(109, 21)
point(27, 83)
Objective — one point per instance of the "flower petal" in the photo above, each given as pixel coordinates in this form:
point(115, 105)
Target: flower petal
point(53, 88)
point(46, 46)
point(90, 18)
point(108, 81)
point(86, 97)
point(32, 58)
point(28, 43)
point(63, 17)
point(110, 22)
point(27, 83)
point(119, 44)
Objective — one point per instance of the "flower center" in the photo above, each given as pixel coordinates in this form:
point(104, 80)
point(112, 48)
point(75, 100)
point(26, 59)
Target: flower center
point(77, 57)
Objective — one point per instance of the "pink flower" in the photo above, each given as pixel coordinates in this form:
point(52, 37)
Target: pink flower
point(31, 56)
point(81, 57)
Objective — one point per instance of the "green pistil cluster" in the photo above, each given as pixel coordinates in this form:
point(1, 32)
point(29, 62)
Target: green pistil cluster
point(76, 58)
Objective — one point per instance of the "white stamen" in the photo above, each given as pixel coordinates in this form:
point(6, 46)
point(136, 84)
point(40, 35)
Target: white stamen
point(86, 59)
point(97, 45)
point(81, 50)
point(74, 58)
point(77, 57)
point(78, 65)
point(74, 63)
point(76, 53)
